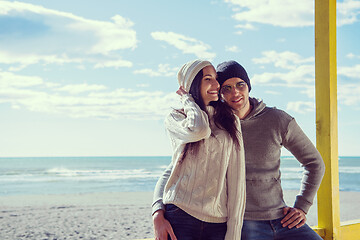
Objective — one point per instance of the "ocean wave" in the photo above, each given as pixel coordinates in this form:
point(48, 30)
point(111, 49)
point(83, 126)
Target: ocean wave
point(94, 172)
point(291, 169)
point(355, 170)
point(59, 174)
point(342, 169)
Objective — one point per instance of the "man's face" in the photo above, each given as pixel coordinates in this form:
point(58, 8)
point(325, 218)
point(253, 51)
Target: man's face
point(235, 92)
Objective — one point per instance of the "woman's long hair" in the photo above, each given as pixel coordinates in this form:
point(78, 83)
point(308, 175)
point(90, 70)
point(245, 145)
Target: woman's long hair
point(193, 147)
point(224, 118)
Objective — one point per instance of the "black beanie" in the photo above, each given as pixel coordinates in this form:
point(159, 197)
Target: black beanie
point(230, 69)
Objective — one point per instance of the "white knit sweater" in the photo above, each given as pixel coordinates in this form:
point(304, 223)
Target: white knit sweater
point(209, 185)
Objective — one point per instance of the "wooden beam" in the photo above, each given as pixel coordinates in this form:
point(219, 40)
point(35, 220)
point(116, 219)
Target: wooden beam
point(326, 116)
point(319, 231)
point(350, 229)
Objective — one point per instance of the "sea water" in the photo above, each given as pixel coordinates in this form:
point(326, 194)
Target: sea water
point(67, 175)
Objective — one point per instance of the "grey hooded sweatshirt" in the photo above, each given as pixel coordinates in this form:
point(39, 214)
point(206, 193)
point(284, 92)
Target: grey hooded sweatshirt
point(265, 131)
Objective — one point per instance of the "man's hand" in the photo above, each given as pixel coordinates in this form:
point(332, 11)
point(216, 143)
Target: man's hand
point(162, 227)
point(294, 217)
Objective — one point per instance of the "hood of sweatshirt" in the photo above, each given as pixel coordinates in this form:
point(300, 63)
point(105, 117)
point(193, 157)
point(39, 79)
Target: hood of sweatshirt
point(258, 108)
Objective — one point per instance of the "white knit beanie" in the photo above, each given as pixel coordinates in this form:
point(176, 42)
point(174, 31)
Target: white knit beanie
point(188, 72)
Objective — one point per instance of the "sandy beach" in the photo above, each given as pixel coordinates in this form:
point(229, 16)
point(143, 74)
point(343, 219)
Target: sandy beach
point(105, 215)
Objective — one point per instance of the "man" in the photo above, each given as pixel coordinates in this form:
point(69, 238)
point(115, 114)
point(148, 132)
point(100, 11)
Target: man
point(265, 131)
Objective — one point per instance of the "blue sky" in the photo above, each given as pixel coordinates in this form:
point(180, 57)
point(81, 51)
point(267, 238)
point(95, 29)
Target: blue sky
point(97, 78)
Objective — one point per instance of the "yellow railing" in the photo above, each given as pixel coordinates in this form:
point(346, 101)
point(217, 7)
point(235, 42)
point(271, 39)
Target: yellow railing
point(329, 226)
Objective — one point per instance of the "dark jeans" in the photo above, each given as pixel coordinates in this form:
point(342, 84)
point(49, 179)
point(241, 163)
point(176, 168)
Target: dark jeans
point(186, 227)
point(273, 230)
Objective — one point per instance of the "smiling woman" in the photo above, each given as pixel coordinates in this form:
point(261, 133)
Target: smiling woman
point(209, 88)
point(196, 203)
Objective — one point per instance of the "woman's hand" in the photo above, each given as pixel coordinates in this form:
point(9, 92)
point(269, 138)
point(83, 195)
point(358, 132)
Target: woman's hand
point(294, 217)
point(162, 227)
point(181, 91)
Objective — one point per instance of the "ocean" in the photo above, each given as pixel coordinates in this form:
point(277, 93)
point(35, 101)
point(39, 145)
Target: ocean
point(69, 175)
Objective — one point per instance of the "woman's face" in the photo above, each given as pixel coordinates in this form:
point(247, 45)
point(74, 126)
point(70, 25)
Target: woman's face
point(235, 92)
point(209, 87)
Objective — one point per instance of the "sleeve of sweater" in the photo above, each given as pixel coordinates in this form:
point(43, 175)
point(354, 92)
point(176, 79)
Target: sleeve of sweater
point(235, 193)
point(314, 168)
point(192, 126)
point(159, 190)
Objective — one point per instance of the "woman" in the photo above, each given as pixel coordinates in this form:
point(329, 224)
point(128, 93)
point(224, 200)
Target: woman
point(204, 195)
point(265, 131)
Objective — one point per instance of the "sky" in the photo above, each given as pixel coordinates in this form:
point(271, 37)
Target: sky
point(97, 78)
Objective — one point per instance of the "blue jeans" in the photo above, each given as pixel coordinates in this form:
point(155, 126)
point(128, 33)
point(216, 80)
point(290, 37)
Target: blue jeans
point(273, 230)
point(186, 227)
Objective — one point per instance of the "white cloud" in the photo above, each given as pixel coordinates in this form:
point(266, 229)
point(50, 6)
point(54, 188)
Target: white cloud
point(10, 80)
point(73, 36)
point(348, 12)
point(84, 101)
point(351, 55)
point(23, 60)
point(143, 85)
point(246, 26)
point(289, 13)
point(19, 61)
point(163, 70)
point(187, 45)
point(283, 13)
point(18, 97)
point(285, 60)
point(309, 91)
point(295, 70)
point(114, 64)
point(301, 107)
point(80, 88)
point(299, 77)
point(147, 71)
point(352, 72)
point(349, 94)
point(111, 35)
point(273, 92)
point(234, 49)
point(141, 106)
point(264, 78)
point(302, 75)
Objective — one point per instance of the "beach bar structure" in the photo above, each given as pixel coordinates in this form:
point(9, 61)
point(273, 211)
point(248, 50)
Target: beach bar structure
point(328, 205)
point(329, 226)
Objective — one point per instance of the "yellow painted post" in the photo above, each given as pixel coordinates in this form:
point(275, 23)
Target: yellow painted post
point(350, 230)
point(326, 116)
